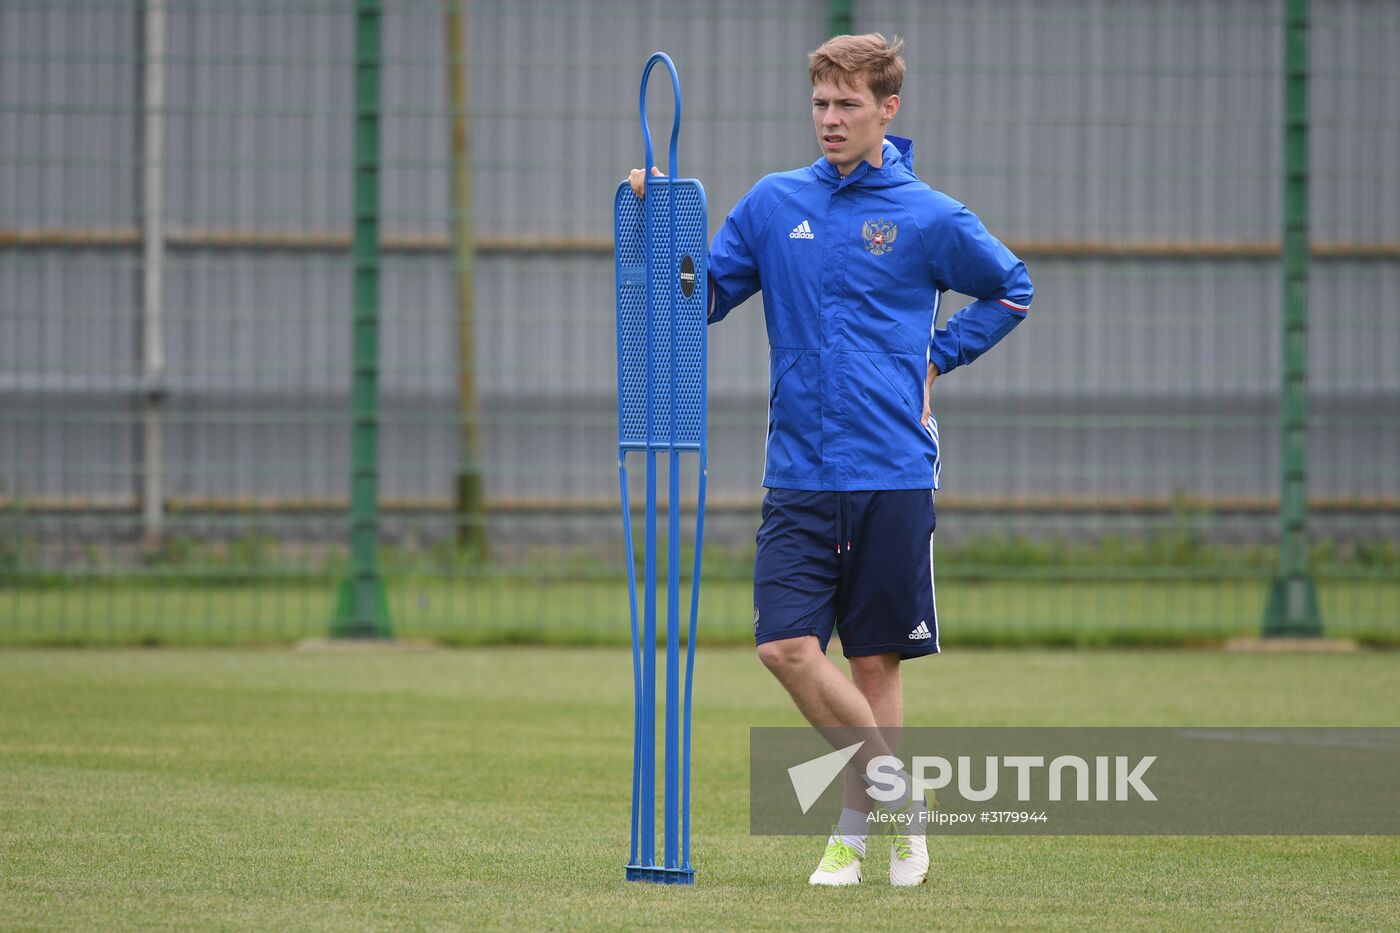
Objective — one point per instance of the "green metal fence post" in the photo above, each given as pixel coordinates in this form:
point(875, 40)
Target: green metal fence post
point(362, 607)
point(471, 521)
point(840, 17)
point(1292, 609)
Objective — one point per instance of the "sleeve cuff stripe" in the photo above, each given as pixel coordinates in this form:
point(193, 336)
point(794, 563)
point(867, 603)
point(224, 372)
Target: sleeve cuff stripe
point(1013, 305)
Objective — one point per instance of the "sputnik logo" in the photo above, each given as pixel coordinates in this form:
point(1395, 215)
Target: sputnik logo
point(811, 778)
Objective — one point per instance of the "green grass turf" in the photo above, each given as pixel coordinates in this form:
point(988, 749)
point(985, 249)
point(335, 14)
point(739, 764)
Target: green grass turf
point(543, 610)
point(483, 788)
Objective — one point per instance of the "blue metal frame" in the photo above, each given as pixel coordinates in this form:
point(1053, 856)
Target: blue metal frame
point(678, 434)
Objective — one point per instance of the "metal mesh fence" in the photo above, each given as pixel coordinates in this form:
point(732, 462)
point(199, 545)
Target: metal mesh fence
point(177, 310)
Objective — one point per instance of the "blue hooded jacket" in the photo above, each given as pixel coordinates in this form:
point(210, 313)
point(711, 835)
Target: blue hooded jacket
point(851, 271)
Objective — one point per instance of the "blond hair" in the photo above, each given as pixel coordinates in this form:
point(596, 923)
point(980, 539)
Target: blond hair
point(843, 59)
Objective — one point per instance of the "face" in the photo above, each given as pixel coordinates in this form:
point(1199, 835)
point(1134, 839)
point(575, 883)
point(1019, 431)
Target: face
point(850, 124)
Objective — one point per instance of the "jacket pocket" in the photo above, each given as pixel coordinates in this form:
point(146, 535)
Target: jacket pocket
point(778, 366)
point(794, 413)
point(895, 371)
point(885, 401)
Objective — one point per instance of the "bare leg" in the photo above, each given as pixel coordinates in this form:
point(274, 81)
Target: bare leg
point(877, 678)
point(824, 695)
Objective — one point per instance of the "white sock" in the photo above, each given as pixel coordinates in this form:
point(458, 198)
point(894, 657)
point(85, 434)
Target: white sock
point(851, 828)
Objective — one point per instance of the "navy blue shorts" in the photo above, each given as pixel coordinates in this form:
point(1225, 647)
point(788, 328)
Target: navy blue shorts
point(859, 563)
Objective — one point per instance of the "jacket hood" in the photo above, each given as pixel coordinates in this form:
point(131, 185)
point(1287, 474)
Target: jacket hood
point(898, 167)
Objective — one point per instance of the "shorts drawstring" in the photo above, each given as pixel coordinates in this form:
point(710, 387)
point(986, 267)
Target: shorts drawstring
point(850, 523)
point(838, 523)
point(843, 521)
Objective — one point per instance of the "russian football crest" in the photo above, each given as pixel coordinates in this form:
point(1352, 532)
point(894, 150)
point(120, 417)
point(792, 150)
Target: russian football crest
point(879, 236)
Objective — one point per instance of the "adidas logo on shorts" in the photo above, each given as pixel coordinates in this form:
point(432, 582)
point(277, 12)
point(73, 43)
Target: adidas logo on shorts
point(802, 231)
point(920, 632)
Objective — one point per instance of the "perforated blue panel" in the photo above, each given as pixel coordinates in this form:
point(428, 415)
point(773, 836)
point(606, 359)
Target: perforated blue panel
point(656, 212)
point(652, 307)
point(628, 248)
point(689, 385)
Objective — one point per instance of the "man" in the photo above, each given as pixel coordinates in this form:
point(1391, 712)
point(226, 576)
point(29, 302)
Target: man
point(852, 254)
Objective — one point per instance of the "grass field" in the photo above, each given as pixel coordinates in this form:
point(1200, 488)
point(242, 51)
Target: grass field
point(370, 789)
point(544, 610)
